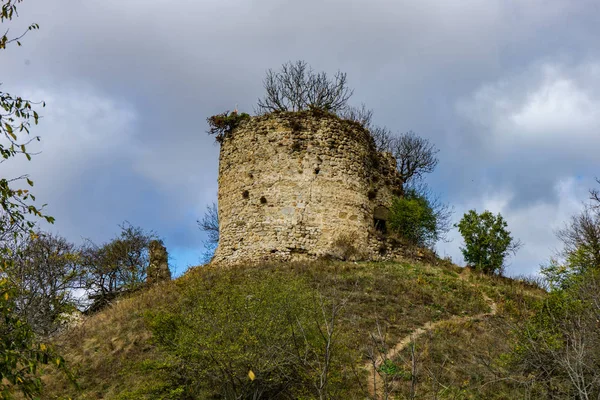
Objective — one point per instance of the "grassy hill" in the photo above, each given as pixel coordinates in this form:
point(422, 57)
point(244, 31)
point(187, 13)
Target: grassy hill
point(326, 329)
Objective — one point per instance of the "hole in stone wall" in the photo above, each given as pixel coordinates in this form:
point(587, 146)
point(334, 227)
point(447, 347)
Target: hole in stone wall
point(245, 194)
point(296, 125)
point(372, 194)
point(380, 225)
point(382, 250)
point(317, 170)
point(250, 175)
point(263, 200)
point(297, 146)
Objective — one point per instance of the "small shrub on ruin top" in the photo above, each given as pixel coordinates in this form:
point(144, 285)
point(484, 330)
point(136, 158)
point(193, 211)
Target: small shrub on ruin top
point(221, 125)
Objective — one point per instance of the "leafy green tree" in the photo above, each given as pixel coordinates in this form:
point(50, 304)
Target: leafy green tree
point(487, 241)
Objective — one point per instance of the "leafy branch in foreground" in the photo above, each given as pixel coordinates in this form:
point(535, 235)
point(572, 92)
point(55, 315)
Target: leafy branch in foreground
point(20, 352)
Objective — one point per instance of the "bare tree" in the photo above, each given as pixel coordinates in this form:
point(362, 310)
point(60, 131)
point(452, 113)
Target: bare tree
point(442, 212)
point(378, 355)
point(595, 196)
point(414, 155)
point(210, 224)
point(560, 349)
point(117, 266)
point(581, 239)
point(383, 137)
point(297, 87)
point(330, 314)
point(362, 115)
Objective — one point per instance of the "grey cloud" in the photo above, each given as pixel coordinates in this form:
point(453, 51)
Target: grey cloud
point(421, 65)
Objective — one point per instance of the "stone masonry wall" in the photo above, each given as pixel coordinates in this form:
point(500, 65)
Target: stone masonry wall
point(297, 185)
point(158, 268)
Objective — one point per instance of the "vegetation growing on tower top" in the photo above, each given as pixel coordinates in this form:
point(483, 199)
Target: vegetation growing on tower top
point(296, 87)
point(223, 124)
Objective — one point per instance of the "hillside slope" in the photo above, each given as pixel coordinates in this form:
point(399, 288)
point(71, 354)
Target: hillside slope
point(333, 329)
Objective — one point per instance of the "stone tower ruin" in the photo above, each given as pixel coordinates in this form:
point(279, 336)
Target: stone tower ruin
point(303, 185)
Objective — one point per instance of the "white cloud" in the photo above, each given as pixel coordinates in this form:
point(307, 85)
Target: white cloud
point(558, 107)
point(549, 105)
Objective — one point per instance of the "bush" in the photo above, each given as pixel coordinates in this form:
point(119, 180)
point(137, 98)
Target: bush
point(344, 248)
point(221, 125)
point(237, 335)
point(413, 218)
point(487, 241)
point(21, 354)
point(559, 347)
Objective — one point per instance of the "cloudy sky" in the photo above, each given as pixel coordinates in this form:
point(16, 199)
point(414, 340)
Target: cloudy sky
point(508, 90)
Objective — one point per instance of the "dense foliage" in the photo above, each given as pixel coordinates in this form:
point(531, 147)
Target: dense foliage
point(559, 348)
point(161, 342)
point(413, 218)
point(20, 353)
point(487, 241)
point(252, 336)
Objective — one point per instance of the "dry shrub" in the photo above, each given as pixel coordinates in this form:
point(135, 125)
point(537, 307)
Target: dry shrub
point(345, 248)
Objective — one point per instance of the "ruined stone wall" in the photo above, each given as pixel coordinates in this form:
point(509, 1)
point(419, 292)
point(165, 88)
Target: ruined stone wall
point(300, 185)
point(158, 268)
